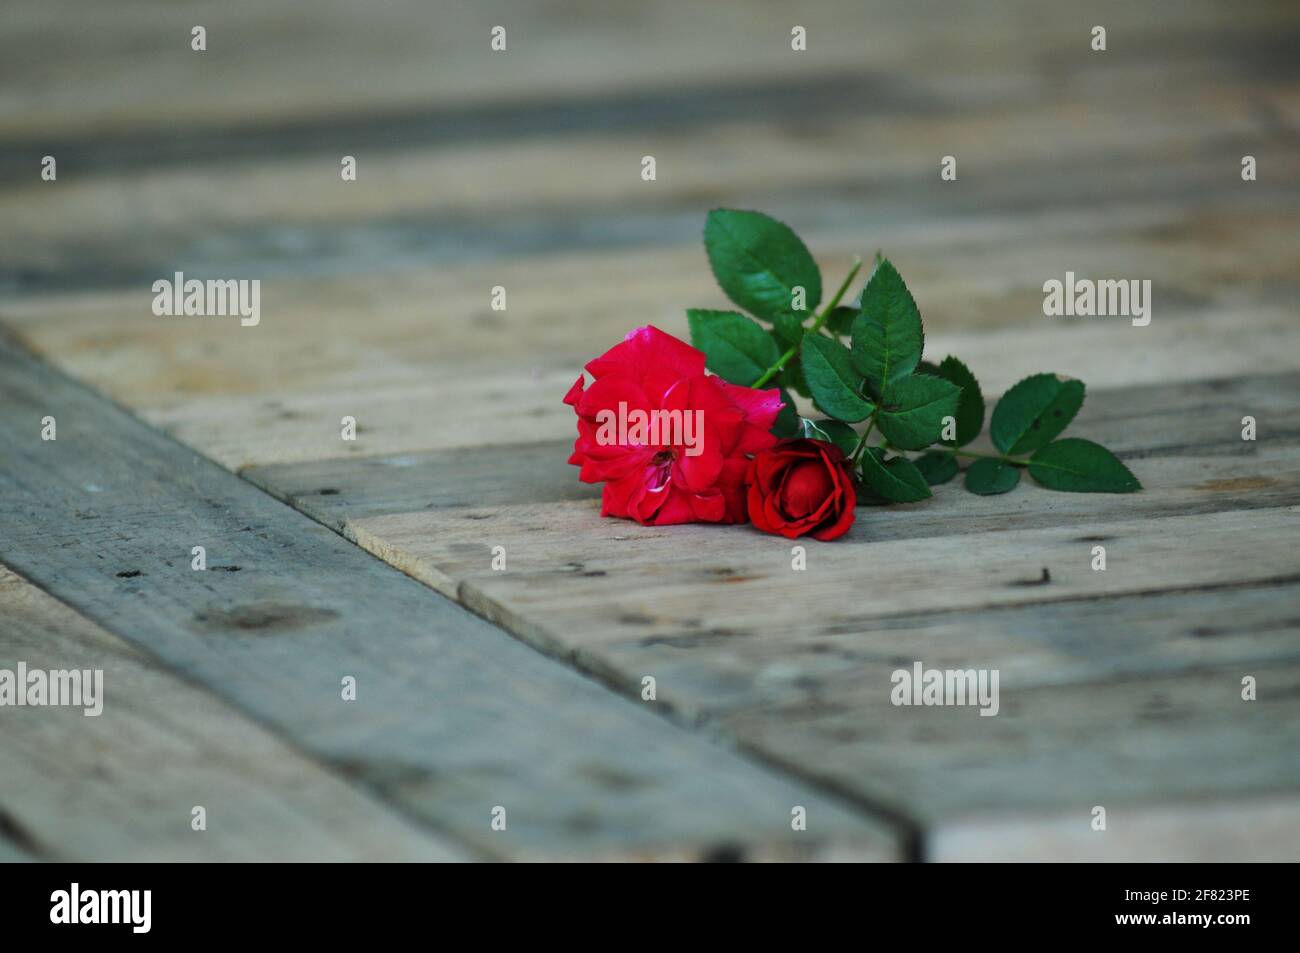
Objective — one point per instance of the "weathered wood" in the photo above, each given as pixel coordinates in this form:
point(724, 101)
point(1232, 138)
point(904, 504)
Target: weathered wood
point(1180, 763)
point(452, 717)
point(501, 169)
point(725, 638)
point(412, 55)
point(295, 218)
point(1189, 420)
point(11, 853)
point(1244, 828)
point(708, 675)
point(660, 577)
point(519, 169)
point(833, 93)
point(418, 377)
point(121, 785)
point(1201, 574)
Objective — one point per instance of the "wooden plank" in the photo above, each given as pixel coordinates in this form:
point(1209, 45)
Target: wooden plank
point(658, 580)
point(739, 620)
point(509, 170)
point(1243, 830)
point(453, 717)
point(1185, 446)
point(121, 785)
point(412, 56)
point(709, 675)
point(746, 655)
point(420, 376)
point(393, 234)
point(1196, 422)
point(11, 853)
point(963, 287)
point(1201, 575)
point(1181, 764)
point(735, 139)
point(833, 93)
point(1072, 150)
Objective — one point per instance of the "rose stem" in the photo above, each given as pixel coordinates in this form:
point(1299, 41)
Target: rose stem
point(862, 441)
point(816, 326)
point(980, 456)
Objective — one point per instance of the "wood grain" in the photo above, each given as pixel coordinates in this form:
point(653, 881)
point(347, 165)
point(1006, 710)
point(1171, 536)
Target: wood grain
point(1186, 439)
point(11, 853)
point(1139, 747)
point(405, 55)
point(520, 169)
point(663, 577)
point(1245, 829)
point(452, 718)
point(422, 363)
point(466, 200)
point(120, 786)
point(1201, 576)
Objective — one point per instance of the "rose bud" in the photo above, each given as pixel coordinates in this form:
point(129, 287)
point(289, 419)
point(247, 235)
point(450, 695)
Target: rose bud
point(801, 486)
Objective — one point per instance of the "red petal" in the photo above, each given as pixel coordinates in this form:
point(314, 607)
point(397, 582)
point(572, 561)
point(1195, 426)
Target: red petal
point(575, 391)
point(700, 473)
point(608, 392)
point(708, 508)
point(673, 506)
point(807, 487)
point(647, 350)
point(841, 525)
point(760, 406)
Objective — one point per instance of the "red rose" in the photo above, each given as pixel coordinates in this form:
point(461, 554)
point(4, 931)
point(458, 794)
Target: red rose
point(802, 486)
point(670, 443)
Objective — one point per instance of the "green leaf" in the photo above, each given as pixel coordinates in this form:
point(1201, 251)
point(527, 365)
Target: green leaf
point(970, 407)
point(896, 480)
point(735, 347)
point(887, 335)
point(840, 321)
point(911, 415)
point(991, 477)
point(1081, 466)
point(787, 421)
point(840, 434)
point(759, 262)
point(788, 329)
point(791, 376)
point(1034, 412)
point(937, 467)
point(834, 385)
point(867, 496)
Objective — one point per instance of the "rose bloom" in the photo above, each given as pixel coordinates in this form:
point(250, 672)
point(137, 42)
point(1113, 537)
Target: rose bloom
point(802, 486)
point(660, 482)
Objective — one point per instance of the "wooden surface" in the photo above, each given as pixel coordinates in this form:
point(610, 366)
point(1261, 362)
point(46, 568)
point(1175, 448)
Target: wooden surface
point(121, 785)
point(1119, 688)
point(452, 717)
